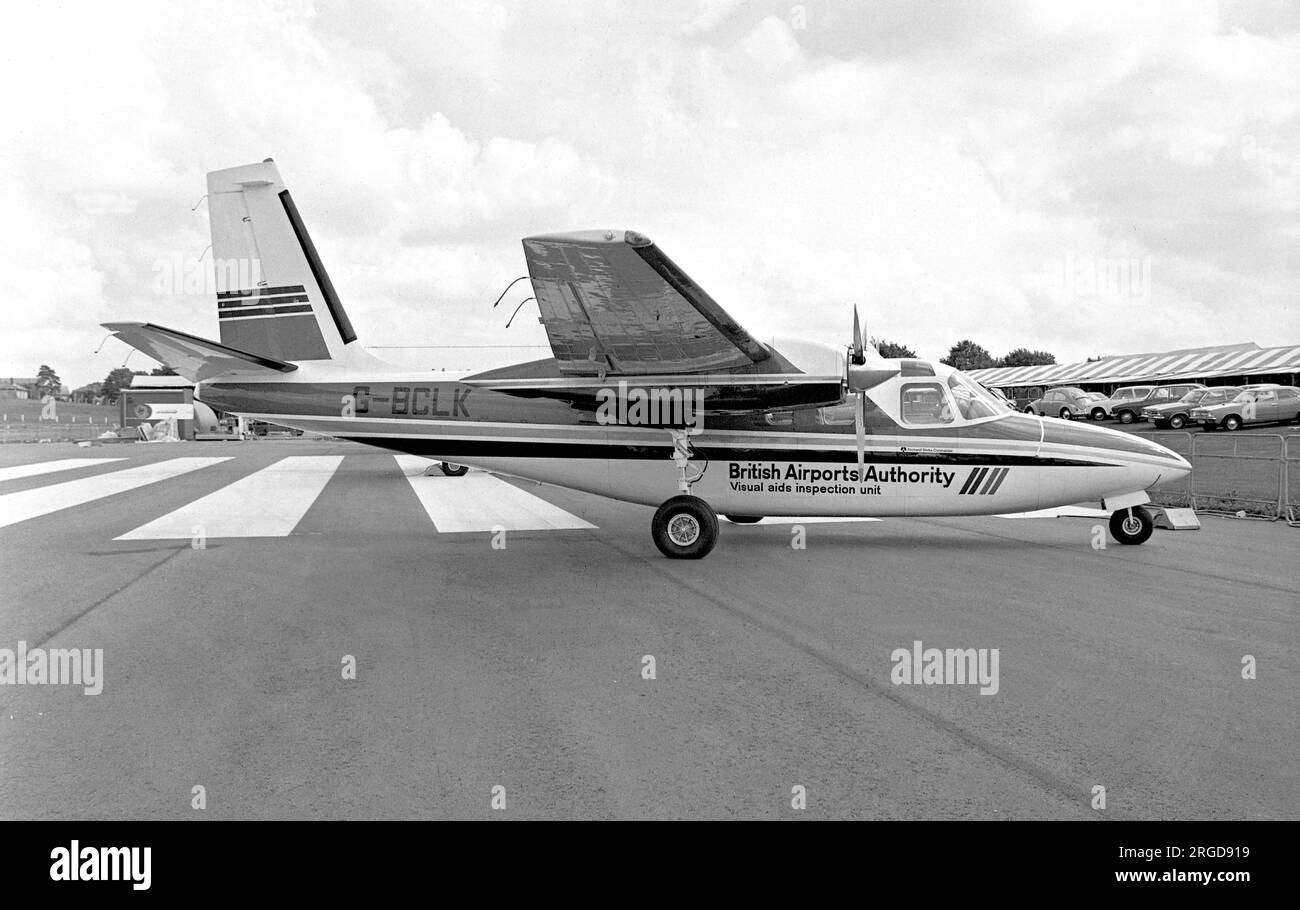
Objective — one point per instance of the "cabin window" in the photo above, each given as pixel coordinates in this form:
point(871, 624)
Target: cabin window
point(925, 404)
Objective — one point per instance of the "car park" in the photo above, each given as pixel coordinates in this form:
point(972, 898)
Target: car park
point(1130, 410)
point(1280, 404)
point(1175, 415)
point(1066, 402)
point(1106, 406)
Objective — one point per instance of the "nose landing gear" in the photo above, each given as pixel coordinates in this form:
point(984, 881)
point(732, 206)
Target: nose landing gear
point(1132, 526)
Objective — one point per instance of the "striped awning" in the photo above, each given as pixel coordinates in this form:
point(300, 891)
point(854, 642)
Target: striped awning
point(1233, 360)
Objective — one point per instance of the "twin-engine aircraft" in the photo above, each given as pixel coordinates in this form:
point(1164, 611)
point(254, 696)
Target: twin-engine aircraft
point(654, 395)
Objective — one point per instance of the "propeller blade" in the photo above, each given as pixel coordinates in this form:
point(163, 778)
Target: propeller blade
point(857, 337)
point(861, 427)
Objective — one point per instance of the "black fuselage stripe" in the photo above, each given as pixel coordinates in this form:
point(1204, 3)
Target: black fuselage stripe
point(1001, 477)
point(265, 311)
point(504, 448)
point(262, 292)
point(261, 302)
point(993, 476)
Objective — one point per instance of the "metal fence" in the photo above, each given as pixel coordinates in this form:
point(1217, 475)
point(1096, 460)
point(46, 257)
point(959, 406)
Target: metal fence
point(67, 431)
point(1254, 474)
point(1291, 478)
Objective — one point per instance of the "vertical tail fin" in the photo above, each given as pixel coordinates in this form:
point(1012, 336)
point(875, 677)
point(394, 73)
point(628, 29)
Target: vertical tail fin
point(274, 296)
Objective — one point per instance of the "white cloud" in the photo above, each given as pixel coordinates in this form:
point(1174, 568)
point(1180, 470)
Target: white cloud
point(916, 159)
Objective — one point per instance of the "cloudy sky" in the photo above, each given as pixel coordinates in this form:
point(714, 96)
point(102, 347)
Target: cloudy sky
point(1083, 178)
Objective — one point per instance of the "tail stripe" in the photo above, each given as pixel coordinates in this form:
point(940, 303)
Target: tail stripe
point(318, 270)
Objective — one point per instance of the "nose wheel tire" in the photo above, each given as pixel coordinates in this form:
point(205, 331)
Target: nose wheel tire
point(1132, 526)
point(454, 470)
point(685, 527)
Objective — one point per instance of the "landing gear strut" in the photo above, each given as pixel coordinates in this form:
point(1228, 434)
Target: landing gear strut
point(1132, 526)
point(684, 527)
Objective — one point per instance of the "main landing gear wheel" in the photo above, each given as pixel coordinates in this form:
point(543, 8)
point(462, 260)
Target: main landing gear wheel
point(685, 527)
point(454, 470)
point(1132, 526)
point(744, 519)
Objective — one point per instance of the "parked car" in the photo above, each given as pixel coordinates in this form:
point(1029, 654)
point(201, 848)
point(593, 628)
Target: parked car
point(1106, 406)
point(1131, 410)
point(1176, 414)
point(1066, 402)
point(1252, 406)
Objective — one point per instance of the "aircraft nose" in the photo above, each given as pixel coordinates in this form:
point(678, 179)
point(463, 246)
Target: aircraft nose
point(1181, 464)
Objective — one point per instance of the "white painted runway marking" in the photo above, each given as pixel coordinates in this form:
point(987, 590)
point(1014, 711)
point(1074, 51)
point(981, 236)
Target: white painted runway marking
point(266, 503)
point(21, 506)
point(49, 467)
point(480, 502)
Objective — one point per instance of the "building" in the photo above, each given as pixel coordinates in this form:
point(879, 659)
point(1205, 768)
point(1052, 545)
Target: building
point(1235, 364)
point(13, 389)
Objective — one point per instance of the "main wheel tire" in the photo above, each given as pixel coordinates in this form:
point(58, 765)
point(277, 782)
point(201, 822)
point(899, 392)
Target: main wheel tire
point(744, 519)
point(454, 470)
point(1065, 414)
point(685, 527)
point(1098, 414)
point(1232, 422)
point(1176, 422)
point(1125, 416)
point(1132, 526)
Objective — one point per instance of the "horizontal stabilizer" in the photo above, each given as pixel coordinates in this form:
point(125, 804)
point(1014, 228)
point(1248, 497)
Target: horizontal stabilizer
point(195, 358)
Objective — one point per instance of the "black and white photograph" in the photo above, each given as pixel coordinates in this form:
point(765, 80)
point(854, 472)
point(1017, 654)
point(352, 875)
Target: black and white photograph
point(883, 411)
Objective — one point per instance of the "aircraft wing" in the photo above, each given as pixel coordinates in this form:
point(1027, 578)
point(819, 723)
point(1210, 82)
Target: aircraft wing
point(194, 358)
point(723, 392)
point(612, 303)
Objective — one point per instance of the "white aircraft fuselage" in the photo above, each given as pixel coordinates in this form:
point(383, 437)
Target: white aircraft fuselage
point(793, 461)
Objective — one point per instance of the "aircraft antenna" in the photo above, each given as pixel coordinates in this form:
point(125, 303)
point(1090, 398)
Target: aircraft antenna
point(507, 290)
point(517, 309)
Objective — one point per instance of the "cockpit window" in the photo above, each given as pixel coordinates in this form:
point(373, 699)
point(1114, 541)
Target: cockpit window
point(925, 404)
point(973, 400)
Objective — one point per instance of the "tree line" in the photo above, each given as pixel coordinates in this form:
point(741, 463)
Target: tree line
point(967, 355)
